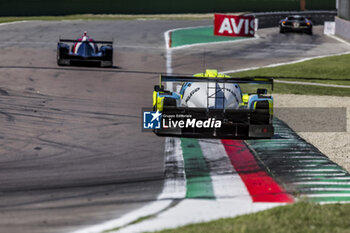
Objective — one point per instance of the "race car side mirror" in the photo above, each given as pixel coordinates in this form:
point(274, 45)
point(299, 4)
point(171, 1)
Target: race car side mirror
point(261, 91)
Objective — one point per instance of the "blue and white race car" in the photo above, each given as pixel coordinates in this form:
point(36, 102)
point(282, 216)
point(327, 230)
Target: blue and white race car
point(216, 100)
point(85, 50)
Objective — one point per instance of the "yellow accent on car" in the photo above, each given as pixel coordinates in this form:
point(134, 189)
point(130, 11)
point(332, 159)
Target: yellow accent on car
point(270, 106)
point(211, 73)
point(154, 98)
point(157, 101)
point(245, 99)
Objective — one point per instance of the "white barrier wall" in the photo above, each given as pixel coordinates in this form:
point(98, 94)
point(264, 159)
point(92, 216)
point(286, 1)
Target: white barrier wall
point(342, 28)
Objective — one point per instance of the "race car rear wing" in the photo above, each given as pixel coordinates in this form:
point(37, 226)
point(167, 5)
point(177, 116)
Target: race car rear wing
point(95, 41)
point(253, 80)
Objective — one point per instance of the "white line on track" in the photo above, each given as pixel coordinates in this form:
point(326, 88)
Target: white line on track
point(174, 188)
point(335, 182)
point(315, 170)
point(16, 22)
point(147, 210)
point(339, 39)
point(333, 202)
point(311, 84)
point(168, 57)
point(326, 189)
point(225, 180)
point(312, 175)
point(167, 36)
point(312, 165)
point(307, 157)
point(283, 63)
point(313, 160)
point(329, 195)
point(313, 179)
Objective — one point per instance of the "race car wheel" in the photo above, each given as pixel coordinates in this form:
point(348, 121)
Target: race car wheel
point(281, 30)
point(62, 62)
point(169, 102)
point(62, 49)
point(59, 62)
point(262, 113)
point(58, 59)
point(106, 63)
point(309, 32)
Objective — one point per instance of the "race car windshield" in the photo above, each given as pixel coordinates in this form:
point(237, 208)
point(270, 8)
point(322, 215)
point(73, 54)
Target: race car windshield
point(296, 18)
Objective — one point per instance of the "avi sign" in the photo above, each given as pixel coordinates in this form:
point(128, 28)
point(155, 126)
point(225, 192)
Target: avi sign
point(233, 25)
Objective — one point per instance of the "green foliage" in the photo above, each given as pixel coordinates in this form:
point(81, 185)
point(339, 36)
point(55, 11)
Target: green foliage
point(298, 218)
point(65, 7)
point(329, 70)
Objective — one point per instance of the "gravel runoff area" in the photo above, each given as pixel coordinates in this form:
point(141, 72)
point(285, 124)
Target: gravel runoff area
point(336, 145)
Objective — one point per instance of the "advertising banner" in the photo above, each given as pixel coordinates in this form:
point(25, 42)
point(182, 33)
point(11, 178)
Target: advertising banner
point(234, 25)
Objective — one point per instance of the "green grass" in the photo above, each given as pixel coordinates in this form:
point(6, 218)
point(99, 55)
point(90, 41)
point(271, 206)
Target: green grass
point(310, 90)
point(197, 36)
point(109, 17)
point(141, 219)
point(298, 218)
point(329, 70)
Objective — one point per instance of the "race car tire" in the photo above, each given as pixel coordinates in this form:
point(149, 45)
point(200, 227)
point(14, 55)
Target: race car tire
point(63, 62)
point(281, 30)
point(62, 49)
point(60, 61)
point(262, 113)
point(106, 63)
point(309, 31)
point(169, 102)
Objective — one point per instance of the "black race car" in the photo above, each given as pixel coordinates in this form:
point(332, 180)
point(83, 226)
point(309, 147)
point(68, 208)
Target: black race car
point(296, 23)
point(84, 50)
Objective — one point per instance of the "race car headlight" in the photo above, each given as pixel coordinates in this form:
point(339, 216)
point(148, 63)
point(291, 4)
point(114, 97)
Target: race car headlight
point(283, 22)
point(308, 24)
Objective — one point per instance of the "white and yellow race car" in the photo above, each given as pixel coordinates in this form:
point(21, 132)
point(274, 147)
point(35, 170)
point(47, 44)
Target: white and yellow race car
point(211, 104)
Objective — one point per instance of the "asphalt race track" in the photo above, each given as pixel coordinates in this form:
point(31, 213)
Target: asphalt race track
point(71, 148)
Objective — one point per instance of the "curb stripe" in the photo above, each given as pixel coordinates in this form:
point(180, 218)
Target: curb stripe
point(260, 185)
point(175, 182)
point(312, 174)
point(225, 180)
point(199, 183)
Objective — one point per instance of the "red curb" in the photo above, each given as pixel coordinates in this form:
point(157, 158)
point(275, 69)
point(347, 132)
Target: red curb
point(170, 41)
point(261, 186)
